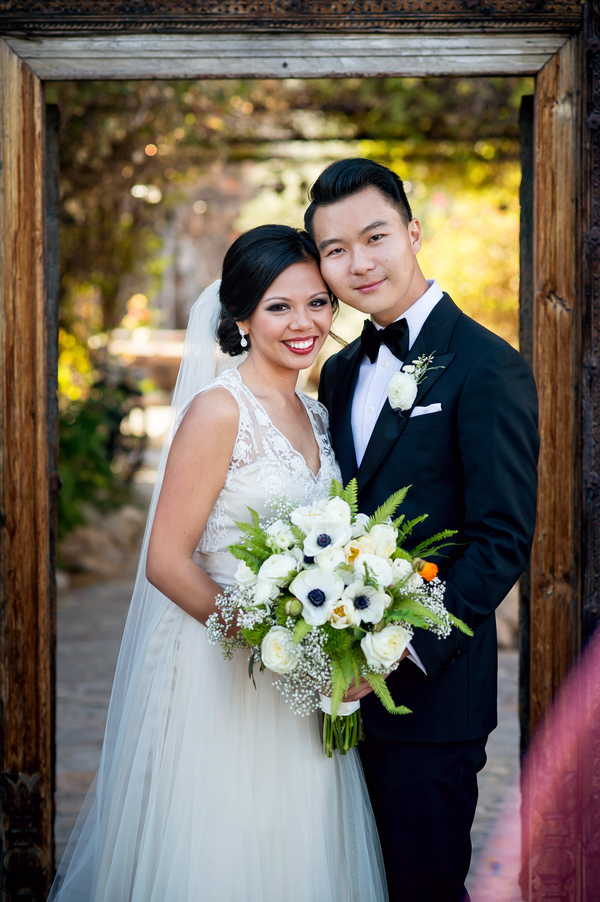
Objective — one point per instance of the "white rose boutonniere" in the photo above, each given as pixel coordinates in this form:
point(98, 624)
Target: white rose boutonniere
point(402, 387)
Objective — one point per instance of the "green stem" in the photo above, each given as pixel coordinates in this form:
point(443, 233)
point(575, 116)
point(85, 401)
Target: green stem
point(341, 733)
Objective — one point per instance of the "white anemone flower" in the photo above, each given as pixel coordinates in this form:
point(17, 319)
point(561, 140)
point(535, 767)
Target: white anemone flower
point(379, 569)
point(325, 534)
point(318, 590)
point(369, 604)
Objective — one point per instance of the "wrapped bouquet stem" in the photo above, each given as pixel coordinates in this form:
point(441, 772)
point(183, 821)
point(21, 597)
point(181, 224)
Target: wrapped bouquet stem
point(325, 596)
point(342, 731)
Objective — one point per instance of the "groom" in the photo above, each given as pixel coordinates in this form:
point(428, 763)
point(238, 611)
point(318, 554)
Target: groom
point(468, 448)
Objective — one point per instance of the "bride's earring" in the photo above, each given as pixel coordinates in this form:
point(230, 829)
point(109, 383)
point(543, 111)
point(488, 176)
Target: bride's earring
point(243, 340)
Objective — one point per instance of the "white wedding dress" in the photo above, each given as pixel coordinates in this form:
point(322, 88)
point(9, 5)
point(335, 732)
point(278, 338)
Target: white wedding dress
point(217, 792)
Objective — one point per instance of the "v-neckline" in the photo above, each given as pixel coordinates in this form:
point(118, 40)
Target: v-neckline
point(314, 475)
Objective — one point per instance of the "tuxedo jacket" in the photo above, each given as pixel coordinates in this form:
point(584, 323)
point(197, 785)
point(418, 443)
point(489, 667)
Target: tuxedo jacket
point(472, 467)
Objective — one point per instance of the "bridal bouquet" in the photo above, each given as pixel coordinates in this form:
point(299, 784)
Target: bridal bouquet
point(325, 595)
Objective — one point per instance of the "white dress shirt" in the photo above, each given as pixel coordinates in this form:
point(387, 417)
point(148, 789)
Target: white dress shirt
point(371, 388)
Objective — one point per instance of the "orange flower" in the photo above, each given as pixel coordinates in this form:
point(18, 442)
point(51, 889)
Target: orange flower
point(428, 571)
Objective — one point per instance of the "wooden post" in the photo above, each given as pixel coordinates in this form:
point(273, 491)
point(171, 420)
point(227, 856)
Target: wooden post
point(552, 835)
point(27, 617)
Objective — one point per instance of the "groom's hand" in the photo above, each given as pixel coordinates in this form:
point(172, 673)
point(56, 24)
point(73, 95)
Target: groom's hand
point(357, 692)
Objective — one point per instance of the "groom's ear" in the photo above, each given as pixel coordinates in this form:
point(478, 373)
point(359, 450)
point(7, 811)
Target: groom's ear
point(415, 235)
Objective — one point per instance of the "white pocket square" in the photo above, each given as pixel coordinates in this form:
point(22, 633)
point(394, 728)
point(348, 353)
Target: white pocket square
point(421, 411)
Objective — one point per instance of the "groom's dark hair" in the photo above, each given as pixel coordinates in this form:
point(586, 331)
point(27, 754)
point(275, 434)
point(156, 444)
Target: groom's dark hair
point(347, 177)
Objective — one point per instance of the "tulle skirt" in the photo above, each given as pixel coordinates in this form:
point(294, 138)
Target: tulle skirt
point(216, 792)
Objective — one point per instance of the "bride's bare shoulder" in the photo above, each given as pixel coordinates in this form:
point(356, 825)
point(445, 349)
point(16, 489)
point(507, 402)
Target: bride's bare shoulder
point(214, 411)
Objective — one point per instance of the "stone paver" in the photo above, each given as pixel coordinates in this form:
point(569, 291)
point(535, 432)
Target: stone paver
point(90, 623)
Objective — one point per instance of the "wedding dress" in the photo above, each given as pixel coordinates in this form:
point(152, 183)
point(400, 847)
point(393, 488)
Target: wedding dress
point(216, 791)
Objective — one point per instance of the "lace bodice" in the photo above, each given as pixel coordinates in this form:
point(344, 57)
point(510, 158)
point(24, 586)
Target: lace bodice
point(264, 469)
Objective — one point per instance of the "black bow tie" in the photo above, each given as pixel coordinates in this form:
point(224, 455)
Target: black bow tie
point(395, 336)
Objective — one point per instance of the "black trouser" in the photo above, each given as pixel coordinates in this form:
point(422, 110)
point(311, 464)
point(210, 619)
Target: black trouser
point(424, 797)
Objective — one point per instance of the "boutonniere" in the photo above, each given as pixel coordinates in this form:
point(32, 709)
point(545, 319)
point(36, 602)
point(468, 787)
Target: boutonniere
point(402, 387)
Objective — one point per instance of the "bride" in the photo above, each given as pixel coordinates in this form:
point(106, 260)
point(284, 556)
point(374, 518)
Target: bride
point(209, 789)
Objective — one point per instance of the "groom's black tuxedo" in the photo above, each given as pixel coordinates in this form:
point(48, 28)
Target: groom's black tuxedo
point(472, 467)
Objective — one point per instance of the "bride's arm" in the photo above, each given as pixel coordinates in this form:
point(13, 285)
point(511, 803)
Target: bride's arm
point(195, 474)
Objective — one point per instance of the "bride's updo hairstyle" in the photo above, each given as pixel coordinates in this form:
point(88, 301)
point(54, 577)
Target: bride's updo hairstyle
point(250, 267)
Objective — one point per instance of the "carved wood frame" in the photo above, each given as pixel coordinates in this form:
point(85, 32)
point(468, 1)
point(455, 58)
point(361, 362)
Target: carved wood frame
point(565, 567)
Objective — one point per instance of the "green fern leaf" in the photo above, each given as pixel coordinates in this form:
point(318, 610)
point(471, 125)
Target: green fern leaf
point(427, 547)
point(242, 554)
point(388, 508)
point(408, 527)
point(379, 687)
point(350, 496)
point(461, 625)
point(297, 533)
point(335, 489)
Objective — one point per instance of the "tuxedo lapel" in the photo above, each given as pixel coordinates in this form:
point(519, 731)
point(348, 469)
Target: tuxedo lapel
point(340, 413)
point(434, 339)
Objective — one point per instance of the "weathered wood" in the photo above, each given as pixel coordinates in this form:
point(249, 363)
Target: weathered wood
point(553, 831)
point(286, 56)
point(26, 616)
point(38, 17)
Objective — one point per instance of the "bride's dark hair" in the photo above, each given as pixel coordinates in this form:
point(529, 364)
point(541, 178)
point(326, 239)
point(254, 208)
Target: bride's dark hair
point(251, 265)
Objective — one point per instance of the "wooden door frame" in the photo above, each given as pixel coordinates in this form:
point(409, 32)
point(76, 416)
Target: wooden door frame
point(559, 45)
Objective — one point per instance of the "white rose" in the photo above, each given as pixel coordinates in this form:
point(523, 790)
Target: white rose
point(305, 516)
point(278, 568)
point(401, 568)
point(384, 539)
point(402, 391)
point(265, 591)
point(379, 568)
point(330, 558)
point(278, 651)
point(338, 509)
point(245, 575)
point(385, 648)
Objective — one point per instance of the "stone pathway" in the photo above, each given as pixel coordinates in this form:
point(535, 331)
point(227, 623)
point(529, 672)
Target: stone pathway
point(90, 623)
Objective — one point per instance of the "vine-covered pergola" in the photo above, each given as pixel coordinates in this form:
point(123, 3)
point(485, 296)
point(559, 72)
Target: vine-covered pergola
point(557, 41)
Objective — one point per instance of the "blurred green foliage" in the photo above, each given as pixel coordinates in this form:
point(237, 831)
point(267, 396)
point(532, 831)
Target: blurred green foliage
point(131, 151)
point(97, 454)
